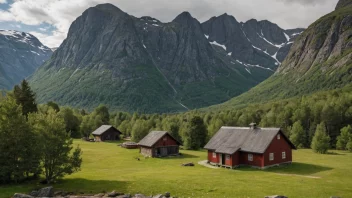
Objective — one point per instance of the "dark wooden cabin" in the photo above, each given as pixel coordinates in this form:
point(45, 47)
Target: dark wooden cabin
point(159, 144)
point(251, 146)
point(106, 132)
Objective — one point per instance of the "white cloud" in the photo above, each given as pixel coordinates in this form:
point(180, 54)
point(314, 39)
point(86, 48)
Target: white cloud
point(3, 1)
point(61, 13)
point(6, 16)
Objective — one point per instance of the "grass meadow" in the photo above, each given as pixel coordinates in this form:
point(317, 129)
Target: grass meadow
point(108, 167)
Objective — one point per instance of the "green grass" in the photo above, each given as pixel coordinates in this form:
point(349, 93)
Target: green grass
point(107, 167)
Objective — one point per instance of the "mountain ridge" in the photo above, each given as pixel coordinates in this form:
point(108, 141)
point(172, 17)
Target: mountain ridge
point(142, 64)
point(320, 59)
point(20, 55)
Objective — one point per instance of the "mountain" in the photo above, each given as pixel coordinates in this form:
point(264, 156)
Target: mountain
point(142, 64)
point(20, 55)
point(320, 59)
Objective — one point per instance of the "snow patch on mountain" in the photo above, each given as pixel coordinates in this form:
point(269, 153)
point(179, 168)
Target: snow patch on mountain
point(218, 44)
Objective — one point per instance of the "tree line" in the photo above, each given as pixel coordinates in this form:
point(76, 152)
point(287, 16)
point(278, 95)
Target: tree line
point(320, 121)
point(33, 142)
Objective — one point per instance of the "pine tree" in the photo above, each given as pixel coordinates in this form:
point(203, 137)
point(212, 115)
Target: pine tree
point(297, 135)
point(195, 134)
point(25, 97)
point(320, 143)
point(344, 137)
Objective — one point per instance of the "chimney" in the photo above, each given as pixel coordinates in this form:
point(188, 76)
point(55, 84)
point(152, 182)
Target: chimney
point(253, 125)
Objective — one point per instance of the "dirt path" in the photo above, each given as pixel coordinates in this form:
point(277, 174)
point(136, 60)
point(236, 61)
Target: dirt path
point(205, 163)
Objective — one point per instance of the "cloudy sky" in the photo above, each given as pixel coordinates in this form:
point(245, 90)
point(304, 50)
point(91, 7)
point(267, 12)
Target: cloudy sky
point(49, 20)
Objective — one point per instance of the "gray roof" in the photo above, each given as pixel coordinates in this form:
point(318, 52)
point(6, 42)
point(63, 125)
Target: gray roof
point(230, 139)
point(153, 137)
point(102, 129)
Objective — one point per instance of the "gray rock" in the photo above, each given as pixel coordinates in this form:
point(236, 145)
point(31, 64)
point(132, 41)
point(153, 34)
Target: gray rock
point(34, 193)
point(140, 196)
point(18, 195)
point(114, 194)
point(124, 196)
point(46, 192)
point(158, 196)
point(276, 196)
point(167, 194)
point(99, 195)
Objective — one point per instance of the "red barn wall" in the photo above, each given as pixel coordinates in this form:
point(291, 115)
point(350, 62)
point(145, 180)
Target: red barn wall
point(277, 146)
point(168, 142)
point(233, 161)
point(211, 159)
point(258, 159)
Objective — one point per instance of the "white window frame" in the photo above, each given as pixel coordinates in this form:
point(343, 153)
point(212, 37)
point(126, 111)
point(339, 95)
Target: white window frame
point(228, 157)
point(214, 155)
point(271, 156)
point(278, 136)
point(283, 155)
point(250, 157)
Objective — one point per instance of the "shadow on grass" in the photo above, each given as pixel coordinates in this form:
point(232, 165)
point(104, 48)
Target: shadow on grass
point(181, 156)
point(85, 186)
point(334, 153)
point(299, 169)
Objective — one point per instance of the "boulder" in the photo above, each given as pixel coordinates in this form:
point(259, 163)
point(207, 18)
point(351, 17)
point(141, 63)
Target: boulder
point(276, 196)
point(140, 196)
point(34, 193)
point(46, 192)
point(158, 196)
point(188, 164)
point(99, 195)
point(18, 195)
point(114, 194)
point(167, 194)
point(124, 196)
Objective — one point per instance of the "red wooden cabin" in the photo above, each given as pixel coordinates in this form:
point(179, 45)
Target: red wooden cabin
point(159, 144)
point(252, 146)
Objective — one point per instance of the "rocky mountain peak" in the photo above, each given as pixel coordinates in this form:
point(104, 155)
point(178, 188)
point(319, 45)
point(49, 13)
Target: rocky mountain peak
point(343, 3)
point(184, 17)
point(108, 7)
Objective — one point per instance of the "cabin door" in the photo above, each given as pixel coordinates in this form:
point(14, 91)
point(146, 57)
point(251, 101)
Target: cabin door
point(223, 157)
point(163, 151)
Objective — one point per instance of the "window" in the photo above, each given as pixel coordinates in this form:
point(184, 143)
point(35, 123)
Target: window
point(165, 138)
point(278, 136)
point(250, 157)
point(271, 156)
point(283, 155)
point(228, 157)
point(214, 155)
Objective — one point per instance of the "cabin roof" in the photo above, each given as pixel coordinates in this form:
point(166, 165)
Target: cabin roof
point(153, 137)
point(102, 129)
point(228, 140)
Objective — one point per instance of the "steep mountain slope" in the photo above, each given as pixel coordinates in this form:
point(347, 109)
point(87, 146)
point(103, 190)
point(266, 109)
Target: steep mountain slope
point(142, 64)
point(320, 59)
point(20, 54)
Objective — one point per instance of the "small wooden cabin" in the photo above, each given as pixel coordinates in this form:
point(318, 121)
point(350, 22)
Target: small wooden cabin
point(106, 132)
point(251, 146)
point(159, 144)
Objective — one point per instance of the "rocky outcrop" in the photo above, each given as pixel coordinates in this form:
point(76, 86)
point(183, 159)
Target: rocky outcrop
point(343, 3)
point(48, 192)
point(20, 55)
